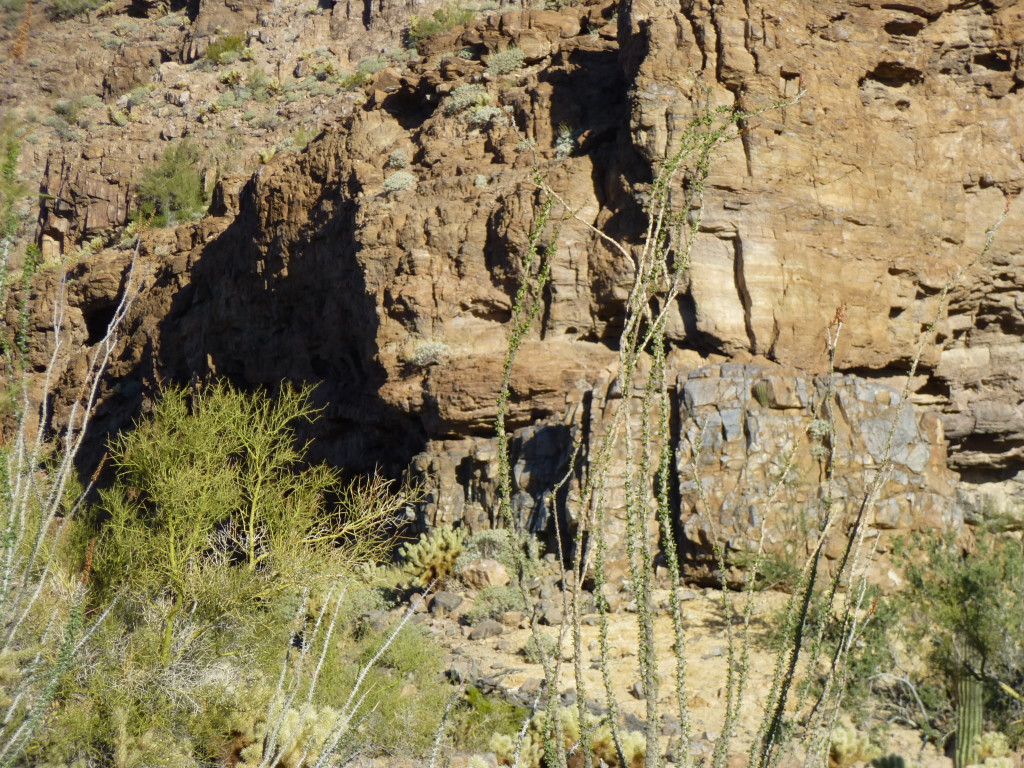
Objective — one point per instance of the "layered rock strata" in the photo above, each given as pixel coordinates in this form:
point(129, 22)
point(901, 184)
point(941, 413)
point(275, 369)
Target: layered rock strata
point(879, 144)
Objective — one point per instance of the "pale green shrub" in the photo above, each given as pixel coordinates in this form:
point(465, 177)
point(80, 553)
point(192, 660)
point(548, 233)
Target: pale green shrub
point(429, 353)
point(482, 117)
point(464, 97)
point(398, 159)
point(503, 62)
point(398, 181)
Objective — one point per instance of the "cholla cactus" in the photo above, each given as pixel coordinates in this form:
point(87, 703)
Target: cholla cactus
point(531, 751)
point(634, 748)
point(432, 558)
point(992, 750)
point(303, 735)
point(849, 746)
point(992, 744)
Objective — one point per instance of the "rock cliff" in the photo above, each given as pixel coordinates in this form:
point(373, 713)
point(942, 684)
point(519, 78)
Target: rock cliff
point(893, 143)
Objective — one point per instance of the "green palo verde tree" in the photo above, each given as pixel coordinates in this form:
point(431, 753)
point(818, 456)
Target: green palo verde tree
point(214, 511)
point(967, 611)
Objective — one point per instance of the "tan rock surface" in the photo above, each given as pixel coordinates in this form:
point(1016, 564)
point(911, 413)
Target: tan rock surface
point(867, 192)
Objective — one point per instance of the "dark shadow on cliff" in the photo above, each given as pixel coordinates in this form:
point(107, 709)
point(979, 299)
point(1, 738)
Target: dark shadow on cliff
point(262, 308)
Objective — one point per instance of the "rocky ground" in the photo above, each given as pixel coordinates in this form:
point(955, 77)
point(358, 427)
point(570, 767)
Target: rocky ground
point(489, 654)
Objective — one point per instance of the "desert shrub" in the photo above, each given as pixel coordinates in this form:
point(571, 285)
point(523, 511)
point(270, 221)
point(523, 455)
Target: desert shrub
point(64, 130)
point(213, 549)
point(565, 142)
point(398, 181)
point(441, 20)
point(482, 117)
point(68, 109)
point(503, 62)
point(172, 190)
point(498, 544)
point(10, 187)
point(69, 9)
point(398, 159)
point(966, 612)
point(210, 488)
point(226, 50)
point(372, 64)
point(431, 559)
point(428, 353)
point(139, 96)
point(356, 80)
point(479, 716)
point(464, 97)
point(494, 601)
point(538, 648)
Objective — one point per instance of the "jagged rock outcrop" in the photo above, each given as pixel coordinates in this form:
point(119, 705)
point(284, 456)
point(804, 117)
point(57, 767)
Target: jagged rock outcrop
point(880, 143)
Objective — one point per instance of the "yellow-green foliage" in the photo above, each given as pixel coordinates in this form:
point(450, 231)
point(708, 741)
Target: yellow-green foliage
point(448, 17)
point(201, 549)
point(210, 495)
point(432, 558)
point(226, 50)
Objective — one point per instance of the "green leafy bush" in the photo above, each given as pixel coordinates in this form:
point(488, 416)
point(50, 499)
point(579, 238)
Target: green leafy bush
point(226, 50)
point(172, 190)
point(539, 647)
point(966, 611)
point(213, 549)
point(494, 601)
point(441, 20)
point(69, 9)
point(479, 716)
point(482, 117)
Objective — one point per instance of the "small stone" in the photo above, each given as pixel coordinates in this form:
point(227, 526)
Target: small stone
point(633, 723)
point(462, 671)
point(531, 686)
point(670, 726)
point(445, 603)
point(377, 621)
point(418, 602)
point(637, 690)
point(486, 628)
point(550, 613)
point(511, 619)
point(699, 702)
point(613, 596)
point(481, 574)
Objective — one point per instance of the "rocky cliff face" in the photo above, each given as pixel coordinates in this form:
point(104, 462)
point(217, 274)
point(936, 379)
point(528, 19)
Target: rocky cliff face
point(868, 192)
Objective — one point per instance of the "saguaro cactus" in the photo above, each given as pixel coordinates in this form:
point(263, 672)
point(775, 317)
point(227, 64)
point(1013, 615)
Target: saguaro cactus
point(969, 710)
